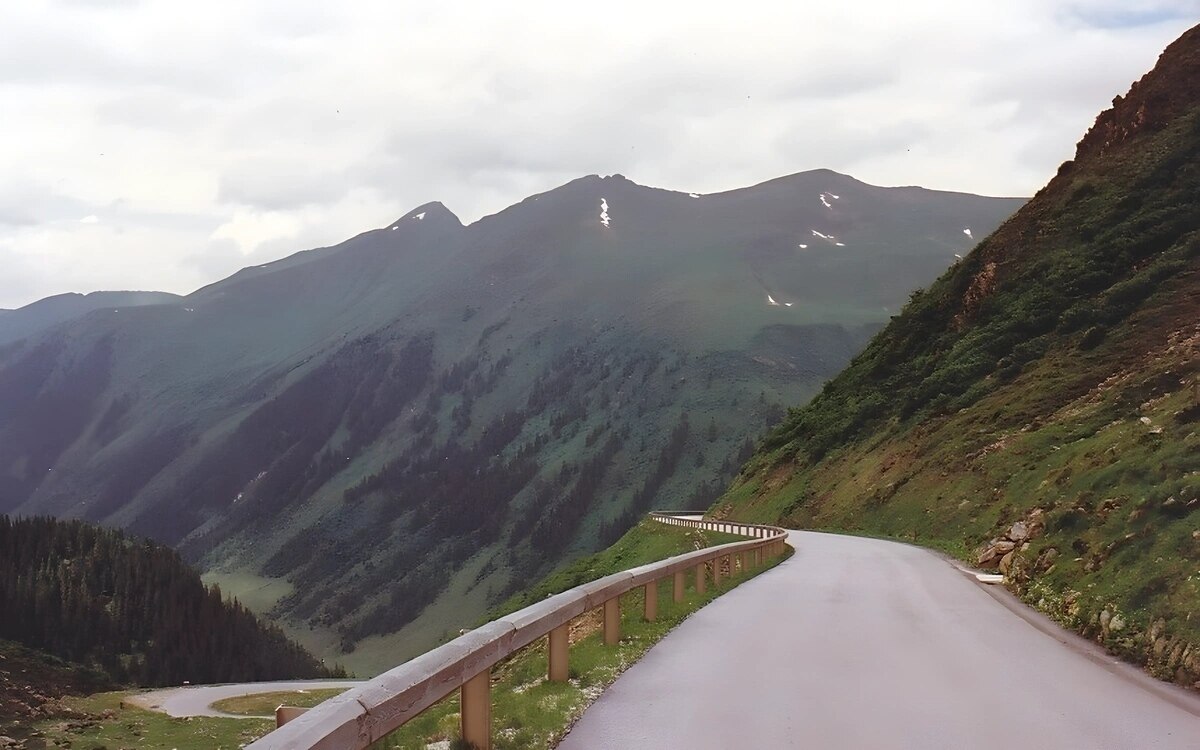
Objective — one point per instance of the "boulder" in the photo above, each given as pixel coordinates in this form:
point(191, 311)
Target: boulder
point(1018, 532)
point(995, 550)
point(1046, 560)
point(1006, 562)
point(1036, 522)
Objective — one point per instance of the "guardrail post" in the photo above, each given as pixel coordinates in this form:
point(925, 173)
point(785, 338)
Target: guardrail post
point(612, 621)
point(677, 587)
point(651, 610)
point(558, 656)
point(284, 714)
point(476, 707)
point(700, 576)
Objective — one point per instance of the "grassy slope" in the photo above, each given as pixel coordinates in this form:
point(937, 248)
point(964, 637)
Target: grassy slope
point(1054, 369)
point(646, 542)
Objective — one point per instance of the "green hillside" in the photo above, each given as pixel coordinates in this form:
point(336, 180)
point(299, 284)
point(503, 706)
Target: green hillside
point(1035, 410)
point(128, 610)
point(376, 442)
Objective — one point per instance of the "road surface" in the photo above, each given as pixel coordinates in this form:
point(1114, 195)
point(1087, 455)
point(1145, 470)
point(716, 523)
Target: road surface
point(861, 643)
point(197, 699)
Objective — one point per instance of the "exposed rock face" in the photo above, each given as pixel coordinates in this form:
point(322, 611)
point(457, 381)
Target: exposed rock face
point(1152, 102)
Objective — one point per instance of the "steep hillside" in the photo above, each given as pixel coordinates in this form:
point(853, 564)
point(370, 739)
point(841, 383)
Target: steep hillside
point(393, 434)
point(130, 610)
point(1035, 410)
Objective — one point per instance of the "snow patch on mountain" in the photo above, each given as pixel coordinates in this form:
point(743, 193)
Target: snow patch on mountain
point(968, 233)
point(604, 218)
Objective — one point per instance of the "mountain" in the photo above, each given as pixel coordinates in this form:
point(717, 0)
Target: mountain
point(390, 435)
point(130, 610)
point(38, 316)
point(1035, 409)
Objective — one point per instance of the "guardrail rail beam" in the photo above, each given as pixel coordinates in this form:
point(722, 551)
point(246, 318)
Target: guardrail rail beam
point(363, 715)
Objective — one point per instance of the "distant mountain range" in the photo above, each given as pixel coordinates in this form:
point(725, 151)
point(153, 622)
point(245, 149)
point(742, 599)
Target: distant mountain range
point(376, 441)
point(1036, 408)
point(38, 316)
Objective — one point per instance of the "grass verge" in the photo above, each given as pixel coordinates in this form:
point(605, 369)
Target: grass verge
point(264, 704)
point(530, 712)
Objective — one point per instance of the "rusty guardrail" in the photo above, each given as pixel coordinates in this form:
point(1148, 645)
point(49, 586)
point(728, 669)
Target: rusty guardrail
point(368, 713)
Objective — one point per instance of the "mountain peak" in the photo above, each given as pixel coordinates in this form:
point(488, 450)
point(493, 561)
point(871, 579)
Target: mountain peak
point(434, 212)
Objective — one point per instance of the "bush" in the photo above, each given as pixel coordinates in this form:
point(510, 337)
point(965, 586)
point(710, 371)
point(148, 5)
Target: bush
point(1092, 337)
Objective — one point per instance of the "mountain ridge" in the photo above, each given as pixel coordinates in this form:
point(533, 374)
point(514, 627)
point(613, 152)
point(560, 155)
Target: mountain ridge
point(499, 397)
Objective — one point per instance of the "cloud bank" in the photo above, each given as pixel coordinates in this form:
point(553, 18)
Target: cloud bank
point(157, 145)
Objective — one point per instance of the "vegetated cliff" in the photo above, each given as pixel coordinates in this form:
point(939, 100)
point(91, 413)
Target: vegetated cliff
point(130, 611)
point(1037, 408)
point(376, 442)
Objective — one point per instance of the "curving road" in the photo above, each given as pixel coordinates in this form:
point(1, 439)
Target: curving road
point(860, 643)
point(198, 699)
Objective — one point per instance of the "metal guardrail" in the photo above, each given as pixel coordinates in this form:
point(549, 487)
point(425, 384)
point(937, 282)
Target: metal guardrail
point(368, 713)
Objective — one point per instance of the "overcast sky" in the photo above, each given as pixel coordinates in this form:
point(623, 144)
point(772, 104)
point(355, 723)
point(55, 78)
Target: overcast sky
point(158, 144)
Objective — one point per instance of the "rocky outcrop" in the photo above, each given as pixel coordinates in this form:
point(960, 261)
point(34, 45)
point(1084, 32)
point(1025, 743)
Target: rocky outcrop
point(1002, 551)
point(1152, 103)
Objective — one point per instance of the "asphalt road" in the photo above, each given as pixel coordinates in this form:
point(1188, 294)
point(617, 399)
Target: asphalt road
point(865, 644)
point(197, 699)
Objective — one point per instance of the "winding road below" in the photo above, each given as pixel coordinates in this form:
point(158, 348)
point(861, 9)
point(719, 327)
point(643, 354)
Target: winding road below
point(198, 699)
point(862, 643)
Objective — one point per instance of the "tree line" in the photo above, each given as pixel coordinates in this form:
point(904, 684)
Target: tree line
point(132, 609)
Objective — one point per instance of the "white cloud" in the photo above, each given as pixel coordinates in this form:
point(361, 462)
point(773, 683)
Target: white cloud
point(241, 127)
